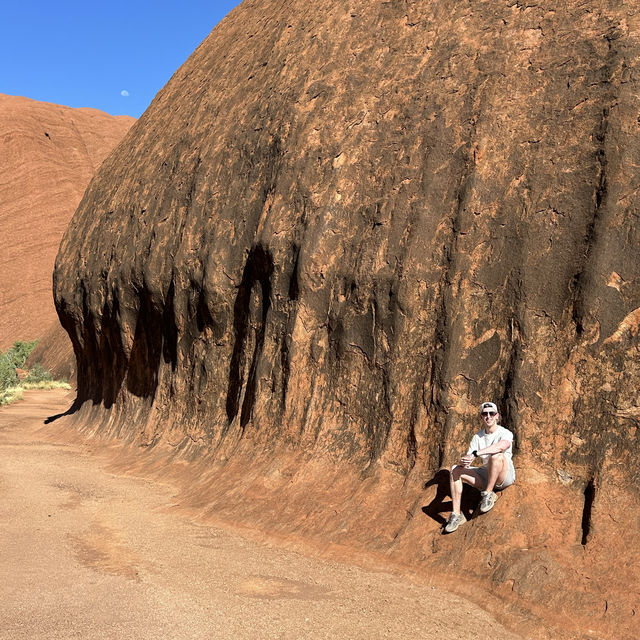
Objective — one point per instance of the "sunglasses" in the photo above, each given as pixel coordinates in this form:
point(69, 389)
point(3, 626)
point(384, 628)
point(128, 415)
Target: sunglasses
point(488, 413)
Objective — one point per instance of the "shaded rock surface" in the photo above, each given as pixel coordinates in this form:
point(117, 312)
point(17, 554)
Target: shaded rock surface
point(338, 229)
point(48, 154)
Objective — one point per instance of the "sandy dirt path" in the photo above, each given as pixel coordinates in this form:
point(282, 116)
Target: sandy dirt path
point(87, 554)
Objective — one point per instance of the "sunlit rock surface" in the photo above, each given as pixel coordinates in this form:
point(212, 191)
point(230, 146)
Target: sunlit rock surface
point(338, 229)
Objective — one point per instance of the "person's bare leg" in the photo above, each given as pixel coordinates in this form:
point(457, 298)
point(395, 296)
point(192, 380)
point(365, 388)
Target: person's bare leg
point(497, 470)
point(457, 476)
point(456, 488)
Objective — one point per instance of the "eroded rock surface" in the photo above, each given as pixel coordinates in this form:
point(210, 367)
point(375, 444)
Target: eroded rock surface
point(340, 227)
point(48, 154)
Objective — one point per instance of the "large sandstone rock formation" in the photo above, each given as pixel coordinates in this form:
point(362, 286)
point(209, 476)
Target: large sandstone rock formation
point(48, 154)
point(341, 226)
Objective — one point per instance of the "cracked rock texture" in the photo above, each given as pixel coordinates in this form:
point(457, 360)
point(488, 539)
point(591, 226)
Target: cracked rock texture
point(48, 154)
point(338, 229)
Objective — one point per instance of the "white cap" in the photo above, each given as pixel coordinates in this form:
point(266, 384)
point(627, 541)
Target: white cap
point(488, 405)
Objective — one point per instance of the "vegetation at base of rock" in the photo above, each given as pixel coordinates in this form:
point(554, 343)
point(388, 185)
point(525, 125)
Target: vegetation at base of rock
point(46, 384)
point(11, 387)
point(14, 358)
point(8, 375)
point(7, 396)
point(20, 351)
point(38, 374)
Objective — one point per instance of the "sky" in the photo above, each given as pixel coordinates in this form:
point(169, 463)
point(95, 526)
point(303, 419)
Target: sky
point(113, 56)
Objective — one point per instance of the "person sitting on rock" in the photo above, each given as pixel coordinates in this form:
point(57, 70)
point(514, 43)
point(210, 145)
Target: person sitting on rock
point(494, 444)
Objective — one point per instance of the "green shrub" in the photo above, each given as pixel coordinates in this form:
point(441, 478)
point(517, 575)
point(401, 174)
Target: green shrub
point(20, 351)
point(38, 374)
point(37, 378)
point(8, 375)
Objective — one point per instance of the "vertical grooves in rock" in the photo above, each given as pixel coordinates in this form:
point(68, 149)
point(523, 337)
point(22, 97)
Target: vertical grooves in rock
point(510, 402)
point(257, 272)
point(412, 442)
point(589, 497)
point(581, 279)
point(380, 439)
point(294, 285)
point(439, 358)
point(111, 346)
point(443, 335)
point(285, 351)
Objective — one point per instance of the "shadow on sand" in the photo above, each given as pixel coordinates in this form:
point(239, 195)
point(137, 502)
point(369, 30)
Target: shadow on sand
point(70, 411)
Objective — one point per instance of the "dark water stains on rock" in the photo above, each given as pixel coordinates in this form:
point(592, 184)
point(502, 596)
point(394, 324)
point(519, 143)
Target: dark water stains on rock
point(344, 251)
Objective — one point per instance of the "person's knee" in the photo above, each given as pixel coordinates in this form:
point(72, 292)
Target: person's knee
point(497, 458)
point(455, 471)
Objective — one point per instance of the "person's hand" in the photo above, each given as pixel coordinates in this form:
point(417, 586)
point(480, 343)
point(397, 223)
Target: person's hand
point(467, 460)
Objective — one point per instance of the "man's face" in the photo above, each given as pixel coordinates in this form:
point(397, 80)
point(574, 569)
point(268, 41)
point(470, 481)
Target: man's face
point(489, 417)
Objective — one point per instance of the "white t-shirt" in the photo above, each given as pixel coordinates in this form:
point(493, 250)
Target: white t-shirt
point(483, 439)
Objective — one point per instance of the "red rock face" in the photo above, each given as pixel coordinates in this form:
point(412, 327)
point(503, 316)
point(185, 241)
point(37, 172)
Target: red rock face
point(341, 227)
point(48, 155)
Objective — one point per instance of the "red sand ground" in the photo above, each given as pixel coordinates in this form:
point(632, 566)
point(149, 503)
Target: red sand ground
point(90, 554)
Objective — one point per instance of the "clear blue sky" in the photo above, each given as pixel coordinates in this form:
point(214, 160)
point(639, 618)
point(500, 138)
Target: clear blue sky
point(92, 53)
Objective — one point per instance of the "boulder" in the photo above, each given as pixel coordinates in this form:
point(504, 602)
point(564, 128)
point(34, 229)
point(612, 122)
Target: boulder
point(341, 227)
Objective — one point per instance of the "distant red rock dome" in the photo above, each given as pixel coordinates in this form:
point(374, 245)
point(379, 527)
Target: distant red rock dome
point(48, 154)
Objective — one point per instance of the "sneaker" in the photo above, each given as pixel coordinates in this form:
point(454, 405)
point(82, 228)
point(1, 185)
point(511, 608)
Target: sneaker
point(454, 521)
point(488, 500)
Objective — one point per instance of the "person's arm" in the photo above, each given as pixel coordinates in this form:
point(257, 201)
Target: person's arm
point(469, 457)
point(499, 447)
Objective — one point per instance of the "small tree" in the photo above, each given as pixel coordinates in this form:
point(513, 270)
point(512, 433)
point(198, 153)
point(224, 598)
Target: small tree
point(20, 351)
point(8, 375)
